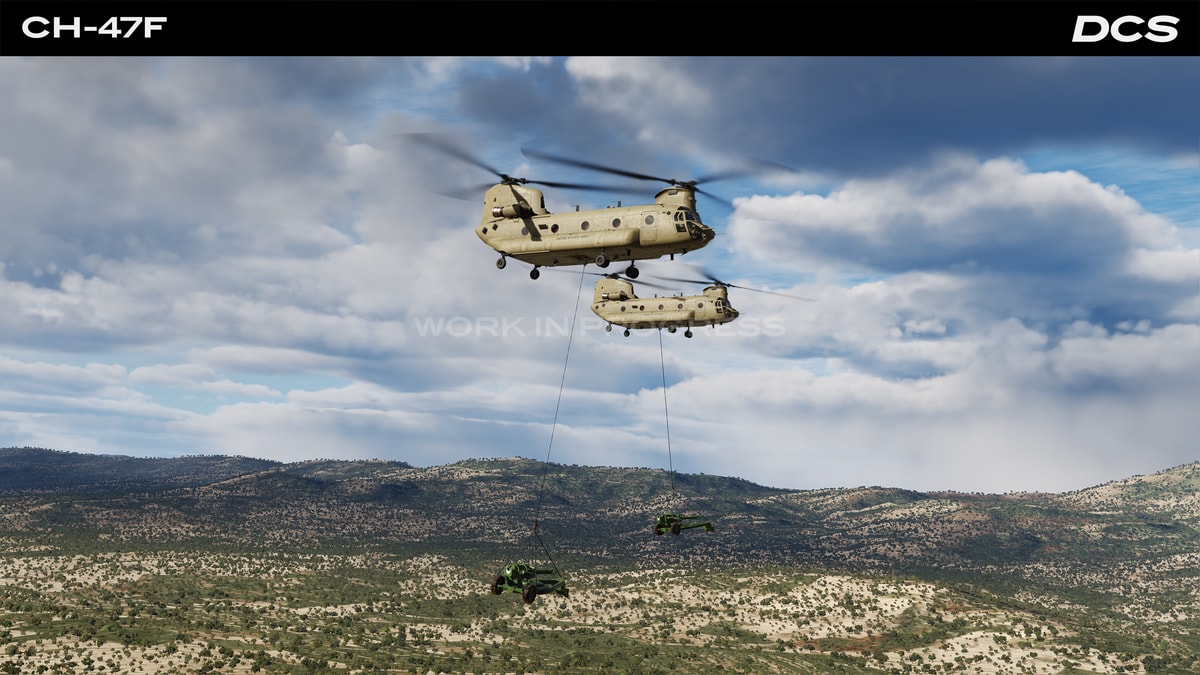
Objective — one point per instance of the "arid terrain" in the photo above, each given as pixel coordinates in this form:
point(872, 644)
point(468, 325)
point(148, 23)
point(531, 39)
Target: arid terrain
point(382, 567)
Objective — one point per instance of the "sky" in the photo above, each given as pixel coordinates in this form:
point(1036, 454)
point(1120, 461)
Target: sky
point(250, 257)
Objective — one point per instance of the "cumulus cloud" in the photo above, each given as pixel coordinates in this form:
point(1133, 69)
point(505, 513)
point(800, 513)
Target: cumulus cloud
point(1093, 408)
point(244, 256)
point(955, 213)
point(864, 116)
point(1038, 246)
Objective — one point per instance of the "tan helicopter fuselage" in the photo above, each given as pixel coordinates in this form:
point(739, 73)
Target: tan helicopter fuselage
point(616, 303)
point(516, 223)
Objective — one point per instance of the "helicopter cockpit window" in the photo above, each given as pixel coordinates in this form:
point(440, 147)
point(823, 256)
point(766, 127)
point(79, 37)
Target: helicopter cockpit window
point(680, 225)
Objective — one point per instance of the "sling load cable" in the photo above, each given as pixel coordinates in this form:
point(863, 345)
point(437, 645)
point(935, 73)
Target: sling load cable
point(554, 425)
point(666, 412)
point(674, 522)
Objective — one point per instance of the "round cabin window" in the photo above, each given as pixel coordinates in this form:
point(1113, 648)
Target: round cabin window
point(584, 225)
point(649, 220)
point(616, 222)
point(554, 228)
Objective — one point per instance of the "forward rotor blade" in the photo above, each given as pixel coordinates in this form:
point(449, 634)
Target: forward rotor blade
point(687, 281)
point(715, 281)
point(727, 175)
point(651, 284)
point(704, 272)
point(710, 195)
point(635, 282)
point(760, 166)
point(760, 290)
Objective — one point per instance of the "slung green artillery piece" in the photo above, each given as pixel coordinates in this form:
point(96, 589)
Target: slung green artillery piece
point(676, 523)
point(529, 581)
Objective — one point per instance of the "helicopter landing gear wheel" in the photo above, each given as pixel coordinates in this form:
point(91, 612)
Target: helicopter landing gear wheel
point(529, 594)
point(495, 587)
point(601, 260)
point(687, 333)
point(534, 273)
point(501, 263)
point(626, 332)
point(632, 272)
point(676, 529)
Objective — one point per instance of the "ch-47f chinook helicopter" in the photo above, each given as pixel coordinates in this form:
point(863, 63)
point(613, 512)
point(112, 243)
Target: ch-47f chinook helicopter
point(516, 223)
point(616, 303)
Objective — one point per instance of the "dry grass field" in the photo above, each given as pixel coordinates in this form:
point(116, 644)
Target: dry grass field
point(227, 565)
point(198, 611)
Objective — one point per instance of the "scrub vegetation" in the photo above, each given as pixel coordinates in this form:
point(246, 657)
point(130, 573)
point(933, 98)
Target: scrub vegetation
point(382, 567)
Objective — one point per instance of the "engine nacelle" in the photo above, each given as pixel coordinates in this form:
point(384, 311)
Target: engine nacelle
point(518, 210)
point(612, 290)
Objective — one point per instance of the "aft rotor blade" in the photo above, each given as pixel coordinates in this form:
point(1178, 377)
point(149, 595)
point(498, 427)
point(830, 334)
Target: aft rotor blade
point(470, 193)
point(445, 147)
point(537, 154)
point(579, 186)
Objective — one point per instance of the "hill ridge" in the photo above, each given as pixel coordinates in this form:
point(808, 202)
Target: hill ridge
point(1122, 556)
